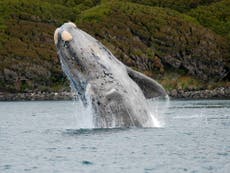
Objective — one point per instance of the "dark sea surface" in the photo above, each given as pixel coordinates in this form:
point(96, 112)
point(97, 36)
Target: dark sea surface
point(44, 137)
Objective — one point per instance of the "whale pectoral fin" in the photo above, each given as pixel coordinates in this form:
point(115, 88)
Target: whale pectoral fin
point(150, 87)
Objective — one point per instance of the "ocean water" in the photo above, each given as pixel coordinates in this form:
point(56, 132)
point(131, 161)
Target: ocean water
point(44, 137)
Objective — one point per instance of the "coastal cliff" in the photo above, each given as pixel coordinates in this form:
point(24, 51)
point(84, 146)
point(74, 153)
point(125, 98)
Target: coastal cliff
point(183, 45)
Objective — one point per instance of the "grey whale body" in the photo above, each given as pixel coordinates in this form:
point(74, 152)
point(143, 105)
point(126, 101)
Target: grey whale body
point(116, 93)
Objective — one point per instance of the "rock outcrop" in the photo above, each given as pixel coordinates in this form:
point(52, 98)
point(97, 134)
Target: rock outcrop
point(218, 93)
point(36, 96)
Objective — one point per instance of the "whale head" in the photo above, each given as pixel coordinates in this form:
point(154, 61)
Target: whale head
point(82, 56)
point(67, 39)
point(72, 47)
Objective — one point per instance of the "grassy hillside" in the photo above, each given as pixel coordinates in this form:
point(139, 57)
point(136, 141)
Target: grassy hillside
point(182, 47)
point(179, 5)
point(159, 42)
point(28, 57)
point(215, 16)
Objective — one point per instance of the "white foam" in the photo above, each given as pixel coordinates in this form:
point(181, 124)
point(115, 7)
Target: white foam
point(84, 114)
point(158, 107)
point(156, 122)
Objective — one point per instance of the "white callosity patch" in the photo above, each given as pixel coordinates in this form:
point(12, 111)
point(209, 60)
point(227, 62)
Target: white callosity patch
point(66, 36)
point(72, 24)
point(56, 36)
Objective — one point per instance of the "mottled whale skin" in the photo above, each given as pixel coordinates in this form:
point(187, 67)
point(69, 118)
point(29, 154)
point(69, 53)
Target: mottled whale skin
point(103, 82)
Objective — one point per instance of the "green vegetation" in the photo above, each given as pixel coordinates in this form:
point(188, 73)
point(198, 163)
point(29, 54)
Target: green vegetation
point(179, 5)
point(215, 16)
point(180, 43)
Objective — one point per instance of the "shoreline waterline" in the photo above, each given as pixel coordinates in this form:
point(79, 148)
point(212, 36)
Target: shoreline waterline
point(217, 93)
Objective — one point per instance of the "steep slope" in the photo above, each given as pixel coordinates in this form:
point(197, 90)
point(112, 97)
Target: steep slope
point(215, 16)
point(169, 46)
point(179, 5)
point(28, 56)
point(154, 40)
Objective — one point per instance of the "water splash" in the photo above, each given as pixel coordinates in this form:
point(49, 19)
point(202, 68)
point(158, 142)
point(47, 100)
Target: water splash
point(84, 114)
point(155, 121)
point(158, 107)
point(85, 117)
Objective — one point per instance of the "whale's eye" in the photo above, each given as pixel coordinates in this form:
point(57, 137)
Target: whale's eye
point(66, 44)
point(56, 36)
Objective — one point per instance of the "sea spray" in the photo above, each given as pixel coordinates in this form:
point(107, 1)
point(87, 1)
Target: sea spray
point(84, 114)
point(157, 108)
point(85, 117)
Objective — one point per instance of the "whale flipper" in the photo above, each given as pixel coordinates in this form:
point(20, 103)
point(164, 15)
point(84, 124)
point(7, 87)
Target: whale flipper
point(149, 87)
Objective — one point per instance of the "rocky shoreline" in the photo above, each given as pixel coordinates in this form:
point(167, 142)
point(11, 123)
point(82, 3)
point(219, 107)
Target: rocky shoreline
point(36, 96)
point(218, 93)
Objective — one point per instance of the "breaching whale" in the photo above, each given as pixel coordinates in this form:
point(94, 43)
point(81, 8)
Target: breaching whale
point(116, 92)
